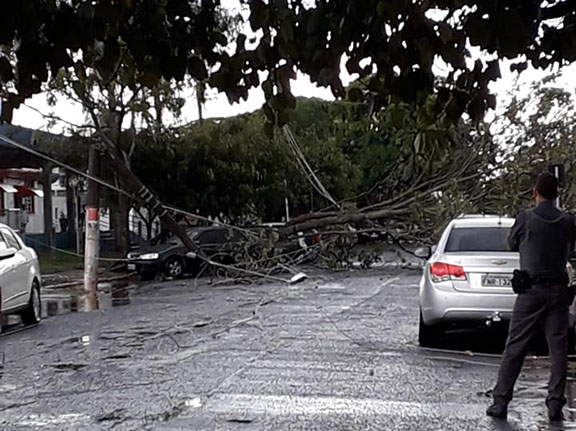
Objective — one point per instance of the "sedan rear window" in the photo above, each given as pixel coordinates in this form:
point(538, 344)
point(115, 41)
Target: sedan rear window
point(478, 239)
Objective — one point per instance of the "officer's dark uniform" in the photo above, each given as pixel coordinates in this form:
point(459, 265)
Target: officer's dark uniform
point(544, 236)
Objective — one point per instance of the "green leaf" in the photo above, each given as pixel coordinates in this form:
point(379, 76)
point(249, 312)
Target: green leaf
point(355, 94)
point(150, 75)
point(519, 67)
point(493, 71)
point(491, 101)
point(286, 31)
point(479, 30)
point(86, 12)
point(269, 130)
point(260, 15)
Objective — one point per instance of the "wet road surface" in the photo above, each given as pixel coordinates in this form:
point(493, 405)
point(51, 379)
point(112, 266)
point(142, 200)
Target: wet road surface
point(336, 353)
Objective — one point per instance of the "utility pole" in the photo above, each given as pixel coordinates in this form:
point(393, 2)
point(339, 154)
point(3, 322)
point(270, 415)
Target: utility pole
point(89, 297)
point(47, 201)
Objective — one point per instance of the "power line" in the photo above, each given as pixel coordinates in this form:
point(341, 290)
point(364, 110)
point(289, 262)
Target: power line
point(64, 165)
point(306, 168)
point(71, 253)
point(107, 184)
point(124, 192)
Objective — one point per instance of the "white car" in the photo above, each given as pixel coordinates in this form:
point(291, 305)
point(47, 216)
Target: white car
point(19, 278)
point(467, 278)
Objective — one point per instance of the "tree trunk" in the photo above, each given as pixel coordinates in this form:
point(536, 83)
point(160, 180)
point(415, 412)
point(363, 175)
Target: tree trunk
point(134, 186)
point(319, 220)
point(150, 216)
point(200, 100)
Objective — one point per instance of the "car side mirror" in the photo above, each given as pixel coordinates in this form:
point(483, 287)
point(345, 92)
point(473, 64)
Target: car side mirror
point(423, 252)
point(7, 253)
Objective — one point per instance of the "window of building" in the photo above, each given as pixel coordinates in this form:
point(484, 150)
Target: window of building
point(27, 203)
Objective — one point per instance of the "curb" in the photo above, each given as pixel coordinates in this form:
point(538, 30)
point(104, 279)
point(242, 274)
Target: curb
point(80, 282)
point(54, 304)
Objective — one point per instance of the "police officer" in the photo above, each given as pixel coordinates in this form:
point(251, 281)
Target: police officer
point(544, 236)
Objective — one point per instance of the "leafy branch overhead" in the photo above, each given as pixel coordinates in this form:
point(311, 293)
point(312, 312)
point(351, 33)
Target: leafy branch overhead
point(392, 44)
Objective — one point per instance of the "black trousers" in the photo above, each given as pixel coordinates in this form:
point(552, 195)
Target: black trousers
point(548, 306)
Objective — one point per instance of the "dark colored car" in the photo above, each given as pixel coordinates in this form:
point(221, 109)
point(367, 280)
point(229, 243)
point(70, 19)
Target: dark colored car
point(168, 255)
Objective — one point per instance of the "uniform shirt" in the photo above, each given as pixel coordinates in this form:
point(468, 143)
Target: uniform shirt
point(544, 236)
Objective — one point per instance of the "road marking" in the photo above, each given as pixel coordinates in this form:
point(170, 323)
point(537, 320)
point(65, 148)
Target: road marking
point(43, 420)
point(332, 285)
point(281, 405)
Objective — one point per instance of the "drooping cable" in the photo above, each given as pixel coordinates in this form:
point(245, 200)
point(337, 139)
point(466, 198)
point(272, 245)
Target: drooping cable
point(306, 168)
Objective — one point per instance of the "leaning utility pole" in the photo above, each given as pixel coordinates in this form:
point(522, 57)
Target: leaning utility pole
point(89, 297)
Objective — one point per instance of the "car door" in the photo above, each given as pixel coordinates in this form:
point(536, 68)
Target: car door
point(212, 241)
point(17, 288)
point(6, 275)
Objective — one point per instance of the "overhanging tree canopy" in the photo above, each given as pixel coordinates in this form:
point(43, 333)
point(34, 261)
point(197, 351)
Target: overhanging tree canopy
point(395, 43)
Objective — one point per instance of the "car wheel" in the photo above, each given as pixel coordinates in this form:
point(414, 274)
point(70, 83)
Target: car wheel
point(31, 315)
point(427, 334)
point(173, 267)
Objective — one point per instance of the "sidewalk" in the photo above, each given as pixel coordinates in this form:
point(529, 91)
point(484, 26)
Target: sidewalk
point(59, 289)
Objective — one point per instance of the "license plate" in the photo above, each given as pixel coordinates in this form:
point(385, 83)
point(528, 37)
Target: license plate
point(494, 280)
point(131, 267)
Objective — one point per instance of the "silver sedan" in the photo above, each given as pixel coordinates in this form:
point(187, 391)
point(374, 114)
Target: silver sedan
point(19, 278)
point(467, 278)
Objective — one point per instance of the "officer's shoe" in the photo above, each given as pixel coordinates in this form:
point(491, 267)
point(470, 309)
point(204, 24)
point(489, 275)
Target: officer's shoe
point(555, 414)
point(497, 410)
point(555, 411)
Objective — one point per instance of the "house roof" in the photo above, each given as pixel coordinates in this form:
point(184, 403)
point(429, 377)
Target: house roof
point(11, 157)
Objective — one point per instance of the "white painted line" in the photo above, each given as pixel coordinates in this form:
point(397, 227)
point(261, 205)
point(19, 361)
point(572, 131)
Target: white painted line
point(45, 420)
point(283, 405)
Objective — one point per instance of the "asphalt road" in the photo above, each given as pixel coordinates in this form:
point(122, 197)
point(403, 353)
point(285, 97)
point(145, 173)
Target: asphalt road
point(337, 352)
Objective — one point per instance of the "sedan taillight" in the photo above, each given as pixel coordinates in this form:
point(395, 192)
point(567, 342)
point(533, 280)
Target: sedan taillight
point(445, 272)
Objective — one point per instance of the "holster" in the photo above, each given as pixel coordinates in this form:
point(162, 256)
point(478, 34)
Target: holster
point(521, 281)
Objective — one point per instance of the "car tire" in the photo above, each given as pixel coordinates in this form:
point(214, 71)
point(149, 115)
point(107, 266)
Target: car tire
point(32, 314)
point(427, 334)
point(174, 267)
